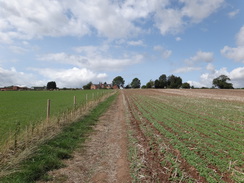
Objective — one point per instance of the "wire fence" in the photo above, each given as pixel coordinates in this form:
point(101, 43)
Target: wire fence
point(21, 142)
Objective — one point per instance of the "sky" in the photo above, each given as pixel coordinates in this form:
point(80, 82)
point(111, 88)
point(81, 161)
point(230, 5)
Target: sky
point(73, 42)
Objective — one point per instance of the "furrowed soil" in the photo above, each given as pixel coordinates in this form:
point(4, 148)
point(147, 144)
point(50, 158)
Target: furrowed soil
point(127, 147)
point(103, 158)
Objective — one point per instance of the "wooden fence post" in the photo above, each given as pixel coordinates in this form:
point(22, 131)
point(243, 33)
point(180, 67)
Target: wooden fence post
point(75, 101)
point(48, 108)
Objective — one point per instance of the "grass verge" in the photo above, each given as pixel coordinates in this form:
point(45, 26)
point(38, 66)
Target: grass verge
point(50, 154)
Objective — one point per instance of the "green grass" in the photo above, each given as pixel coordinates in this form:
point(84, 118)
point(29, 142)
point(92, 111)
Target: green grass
point(25, 107)
point(50, 154)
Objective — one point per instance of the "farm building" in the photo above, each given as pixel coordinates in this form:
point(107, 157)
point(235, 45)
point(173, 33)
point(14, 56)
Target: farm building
point(13, 88)
point(115, 87)
point(101, 86)
point(39, 87)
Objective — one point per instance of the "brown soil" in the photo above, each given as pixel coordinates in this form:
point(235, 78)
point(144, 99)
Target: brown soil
point(150, 141)
point(103, 158)
point(222, 94)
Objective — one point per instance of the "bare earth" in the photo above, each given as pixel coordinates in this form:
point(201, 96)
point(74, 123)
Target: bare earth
point(222, 94)
point(104, 157)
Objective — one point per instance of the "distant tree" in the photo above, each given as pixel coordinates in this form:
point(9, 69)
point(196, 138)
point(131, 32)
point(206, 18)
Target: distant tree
point(186, 85)
point(87, 86)
point(136, 83)
point(174, 82)
point(162, 81)
point(221, 82)
point(128, 86)
point(143, 86)
point(51, 85)
point(150, 84)
point(157, 84)
point(119, 81)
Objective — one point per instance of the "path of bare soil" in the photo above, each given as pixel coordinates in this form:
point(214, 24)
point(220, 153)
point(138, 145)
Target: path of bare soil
point(103, 158)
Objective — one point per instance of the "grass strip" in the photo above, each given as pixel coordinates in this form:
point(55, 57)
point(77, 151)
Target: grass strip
point(50, 154)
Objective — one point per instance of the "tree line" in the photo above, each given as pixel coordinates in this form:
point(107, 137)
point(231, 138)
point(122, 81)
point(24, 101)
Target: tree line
point(171, 81)
point(164, 81)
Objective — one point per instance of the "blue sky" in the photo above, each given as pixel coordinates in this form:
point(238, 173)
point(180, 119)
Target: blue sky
point(73, 42)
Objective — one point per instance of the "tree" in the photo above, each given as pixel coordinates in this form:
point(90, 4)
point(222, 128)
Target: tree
point(150, 84)
point(174, 82)
point(128, 86)
point(162, 81)
point(51, 85)
point(87, 86)
point(221, 82)
point(136, 83)
point(157, 84)
point(185, 85)
point(119, 81)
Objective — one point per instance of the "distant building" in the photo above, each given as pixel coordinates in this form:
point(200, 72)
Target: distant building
point(101, 86)
point(39, 87)
point(13, 88)
point(95, 86)
point(115, 87)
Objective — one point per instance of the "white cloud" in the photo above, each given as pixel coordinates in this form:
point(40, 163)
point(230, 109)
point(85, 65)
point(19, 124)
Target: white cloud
point(206, 79)
point(95, 62)
point(193, 62)
point(187, 69)
point(169, 20)
point(17, 49)
point(112, 19)
point(210, 67)
point(200, 57)
point(13, 77)
point(178, 39)
point(35, 19)
point(197, 10)
point(237, 53)
point(232, 14)
point(240, 37)
point(72, 78)
point(164, 52)
point(195, 84)
point(92, 51)
point(236, 76)
point(136, 43)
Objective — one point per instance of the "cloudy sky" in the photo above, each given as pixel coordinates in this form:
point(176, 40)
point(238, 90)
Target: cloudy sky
point(73, 42)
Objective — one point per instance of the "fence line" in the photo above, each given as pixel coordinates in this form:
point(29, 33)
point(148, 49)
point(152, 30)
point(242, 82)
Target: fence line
point(20, 141)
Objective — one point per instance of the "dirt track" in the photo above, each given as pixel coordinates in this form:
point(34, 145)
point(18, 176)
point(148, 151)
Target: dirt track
point(104, 156)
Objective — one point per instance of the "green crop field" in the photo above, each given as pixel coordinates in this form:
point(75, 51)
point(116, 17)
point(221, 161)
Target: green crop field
point(25, 107)
point(190, 138)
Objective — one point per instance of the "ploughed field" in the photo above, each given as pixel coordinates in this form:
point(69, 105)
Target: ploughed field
point(186, 135)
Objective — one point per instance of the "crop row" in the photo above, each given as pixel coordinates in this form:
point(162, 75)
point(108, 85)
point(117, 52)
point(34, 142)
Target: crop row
point(208, 143)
